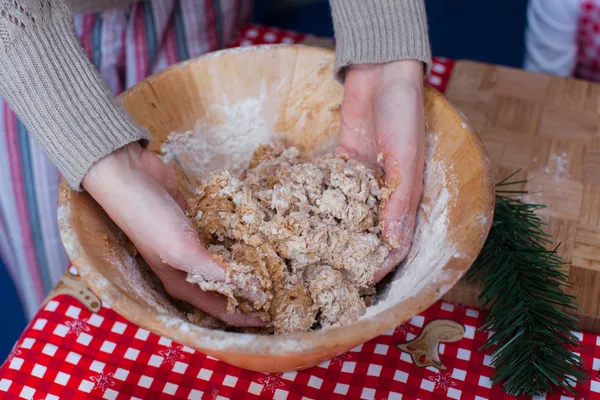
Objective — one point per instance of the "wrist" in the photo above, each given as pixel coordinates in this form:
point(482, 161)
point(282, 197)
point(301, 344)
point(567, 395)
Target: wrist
point(410, 71)
point(113, 168)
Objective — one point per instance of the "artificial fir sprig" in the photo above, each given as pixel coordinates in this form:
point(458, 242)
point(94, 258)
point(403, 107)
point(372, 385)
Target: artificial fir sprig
point(523, 282)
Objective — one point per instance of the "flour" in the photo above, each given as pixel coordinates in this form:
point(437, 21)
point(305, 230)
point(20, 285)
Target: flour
point(482, 219)
point(140, 279)
point(557, 169)
point(558, 166)
point(68, 237)
point(465, 121)
point(242, 127)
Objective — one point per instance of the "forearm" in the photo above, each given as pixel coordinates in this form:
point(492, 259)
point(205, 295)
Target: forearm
point(48, 81)
point(380, 31)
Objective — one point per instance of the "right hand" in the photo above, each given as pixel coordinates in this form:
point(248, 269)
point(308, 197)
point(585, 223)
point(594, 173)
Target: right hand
point(140, 194)
point(383, 121)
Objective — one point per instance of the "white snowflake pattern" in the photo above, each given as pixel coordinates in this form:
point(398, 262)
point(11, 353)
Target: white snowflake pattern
point(271, 382)
point(103, 381)
point(77, 326)
point(403, 330)
point(339, 360)
point(171, 354)
point(214, 394)
point(442, 380)
point(16, 352)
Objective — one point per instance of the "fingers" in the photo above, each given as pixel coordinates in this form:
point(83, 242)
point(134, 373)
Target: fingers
point(139, 204)
point(195, 259)
point(174, 281)
point(356, 139)
point(383, 122)
point(394, 258)
point(399, 123)
point(354, 143)
point(165, 176)
point(399, 213)
point(164, 234)
point(209, 302)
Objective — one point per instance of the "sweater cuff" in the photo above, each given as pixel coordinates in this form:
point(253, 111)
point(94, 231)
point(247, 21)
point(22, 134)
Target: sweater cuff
point(50, 84)
point(379, 31)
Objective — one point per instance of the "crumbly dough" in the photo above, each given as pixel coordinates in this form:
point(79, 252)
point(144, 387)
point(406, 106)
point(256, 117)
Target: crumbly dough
point(308, 232)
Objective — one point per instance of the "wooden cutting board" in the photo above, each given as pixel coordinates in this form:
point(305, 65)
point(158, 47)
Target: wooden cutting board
point(550, 128)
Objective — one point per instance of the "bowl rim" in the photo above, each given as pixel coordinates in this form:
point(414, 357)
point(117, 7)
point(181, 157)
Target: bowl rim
point(213, 342)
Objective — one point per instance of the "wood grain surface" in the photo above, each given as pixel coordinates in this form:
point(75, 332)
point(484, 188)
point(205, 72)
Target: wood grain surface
point(550, 129)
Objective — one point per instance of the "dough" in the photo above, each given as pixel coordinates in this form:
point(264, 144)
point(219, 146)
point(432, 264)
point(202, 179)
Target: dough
point(307, 232)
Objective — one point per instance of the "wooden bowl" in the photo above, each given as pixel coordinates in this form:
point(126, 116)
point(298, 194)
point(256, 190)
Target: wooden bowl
point(240, 97)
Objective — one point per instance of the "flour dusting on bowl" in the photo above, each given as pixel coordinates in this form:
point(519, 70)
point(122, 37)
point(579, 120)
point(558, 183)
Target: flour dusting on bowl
point(242, 127)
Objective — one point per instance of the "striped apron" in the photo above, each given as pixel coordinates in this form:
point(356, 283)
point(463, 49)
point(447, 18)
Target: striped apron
point(125, 45)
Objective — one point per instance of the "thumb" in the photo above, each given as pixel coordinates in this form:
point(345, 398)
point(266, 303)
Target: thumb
point(398, 215)
point(191, 257)
point(400, 135)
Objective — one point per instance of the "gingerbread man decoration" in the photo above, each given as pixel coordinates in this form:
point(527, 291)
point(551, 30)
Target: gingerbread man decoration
point(424, 349)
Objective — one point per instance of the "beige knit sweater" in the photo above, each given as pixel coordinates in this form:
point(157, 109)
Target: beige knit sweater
point(49, 82)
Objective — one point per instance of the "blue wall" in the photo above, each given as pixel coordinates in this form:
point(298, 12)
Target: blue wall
point(488, 31)
point(12, 319)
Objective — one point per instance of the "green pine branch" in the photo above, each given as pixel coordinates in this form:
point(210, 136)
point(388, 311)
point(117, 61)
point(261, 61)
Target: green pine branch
point(532, 343)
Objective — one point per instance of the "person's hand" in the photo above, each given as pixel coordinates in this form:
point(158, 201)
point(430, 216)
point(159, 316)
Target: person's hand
point(383, 122)
point(140, 194)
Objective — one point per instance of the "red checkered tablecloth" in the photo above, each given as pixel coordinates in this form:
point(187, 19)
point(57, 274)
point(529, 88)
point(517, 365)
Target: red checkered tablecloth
point(77, 350)
point(71, 352)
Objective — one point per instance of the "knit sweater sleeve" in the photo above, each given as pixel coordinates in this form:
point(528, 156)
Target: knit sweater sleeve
point(48, 81)
point(380, 31)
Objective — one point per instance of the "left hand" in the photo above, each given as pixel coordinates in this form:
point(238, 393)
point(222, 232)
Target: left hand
point(383, 122)
point(140, 194)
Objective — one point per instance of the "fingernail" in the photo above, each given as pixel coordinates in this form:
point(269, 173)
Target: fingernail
point(343, 154)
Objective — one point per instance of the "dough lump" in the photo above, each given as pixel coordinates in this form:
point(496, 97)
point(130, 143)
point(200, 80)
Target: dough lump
point(307, 232)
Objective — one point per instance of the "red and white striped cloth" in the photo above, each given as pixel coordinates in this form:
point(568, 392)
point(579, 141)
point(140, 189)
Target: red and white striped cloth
point(125, 46)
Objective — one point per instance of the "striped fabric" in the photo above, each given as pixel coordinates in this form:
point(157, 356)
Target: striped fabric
point(125, 45)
